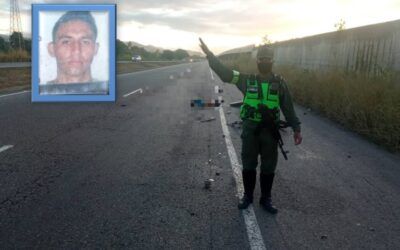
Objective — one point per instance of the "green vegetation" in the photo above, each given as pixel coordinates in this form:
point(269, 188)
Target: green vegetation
point(15, 56)
point(369, 106)
point(126, 51)
point(10, 52)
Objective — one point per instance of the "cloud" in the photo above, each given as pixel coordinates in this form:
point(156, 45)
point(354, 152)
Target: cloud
point(239, 20)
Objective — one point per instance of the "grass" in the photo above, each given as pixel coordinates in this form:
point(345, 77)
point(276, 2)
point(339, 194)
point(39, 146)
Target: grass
point(11, 78)
point(20, 78)
point(15, 56)
point(369, 106)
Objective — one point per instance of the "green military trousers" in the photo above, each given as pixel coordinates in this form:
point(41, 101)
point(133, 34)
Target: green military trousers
point(254, 144)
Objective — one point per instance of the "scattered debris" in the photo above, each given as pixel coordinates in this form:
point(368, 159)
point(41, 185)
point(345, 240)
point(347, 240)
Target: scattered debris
point(207, 183)
point(212, 118)
point(199, 103)
point(236, 124)
point(236, 104)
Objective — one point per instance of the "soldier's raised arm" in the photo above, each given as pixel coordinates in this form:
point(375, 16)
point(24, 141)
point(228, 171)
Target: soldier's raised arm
point(226, 74)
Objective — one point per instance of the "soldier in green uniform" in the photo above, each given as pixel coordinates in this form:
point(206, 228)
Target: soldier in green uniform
point(263, 90)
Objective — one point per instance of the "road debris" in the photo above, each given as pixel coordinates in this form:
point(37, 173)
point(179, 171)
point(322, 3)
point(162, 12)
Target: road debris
point(236, 104)
point(199, 103)
point(207, 183)
point(212, 118)
point(235, 124)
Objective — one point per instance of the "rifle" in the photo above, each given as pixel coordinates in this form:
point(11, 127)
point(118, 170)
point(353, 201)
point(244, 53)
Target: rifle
point(268, 121)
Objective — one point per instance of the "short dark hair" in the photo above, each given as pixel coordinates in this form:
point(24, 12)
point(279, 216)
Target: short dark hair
point(83, 16)
point(265, 51)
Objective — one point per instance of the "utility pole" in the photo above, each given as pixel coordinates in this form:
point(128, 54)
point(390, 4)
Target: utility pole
point(16, 39)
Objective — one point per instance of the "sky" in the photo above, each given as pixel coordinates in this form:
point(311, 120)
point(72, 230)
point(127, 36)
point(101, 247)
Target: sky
point(226, 24)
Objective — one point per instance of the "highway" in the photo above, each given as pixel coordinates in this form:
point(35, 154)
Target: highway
point(131, 174)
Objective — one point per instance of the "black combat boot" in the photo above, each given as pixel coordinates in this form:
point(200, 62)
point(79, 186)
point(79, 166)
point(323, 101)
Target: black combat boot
point(249, 182)
point(266, 181)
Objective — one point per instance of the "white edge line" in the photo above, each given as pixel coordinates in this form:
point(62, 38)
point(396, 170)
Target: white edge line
point(133, 92)
point(149, 70)
point(17, 93)
point(253, 230)
point(5, 147)
point(212, 76)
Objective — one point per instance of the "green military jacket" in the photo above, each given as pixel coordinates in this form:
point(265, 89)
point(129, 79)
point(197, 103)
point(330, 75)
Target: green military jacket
point(285, 100)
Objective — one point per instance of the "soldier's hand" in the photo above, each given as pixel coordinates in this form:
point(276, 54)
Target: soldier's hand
point(204, 47)
point(297, 138)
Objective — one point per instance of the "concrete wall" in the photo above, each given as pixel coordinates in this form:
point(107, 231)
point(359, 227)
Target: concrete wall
point(372, 49)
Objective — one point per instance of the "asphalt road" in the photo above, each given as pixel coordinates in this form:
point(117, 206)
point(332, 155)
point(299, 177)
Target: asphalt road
point(131, 175)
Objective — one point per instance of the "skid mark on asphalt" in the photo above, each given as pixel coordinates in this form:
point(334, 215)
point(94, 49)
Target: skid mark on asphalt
point(133, 92)
point(5, 147)
point(253, 230)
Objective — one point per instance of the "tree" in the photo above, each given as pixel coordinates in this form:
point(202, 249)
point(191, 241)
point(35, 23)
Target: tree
point(16, 40)
point(266, 40)
point(123, 52)
point(28, 45)
point(339, 26)
point(167, 55)
point(181, 54)
point(3, 45)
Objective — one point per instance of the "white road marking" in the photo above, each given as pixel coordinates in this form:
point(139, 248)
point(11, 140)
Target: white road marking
point(212, 76)
point(133, 92)
point(150, 70)
point(17, 93)
point(253, 230)
point(5, 147)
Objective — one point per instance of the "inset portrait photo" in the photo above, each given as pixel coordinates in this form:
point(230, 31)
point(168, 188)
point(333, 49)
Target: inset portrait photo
point(73, 52)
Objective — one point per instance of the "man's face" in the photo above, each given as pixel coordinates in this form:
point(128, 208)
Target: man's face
point(264, 65)
point(74, 48)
